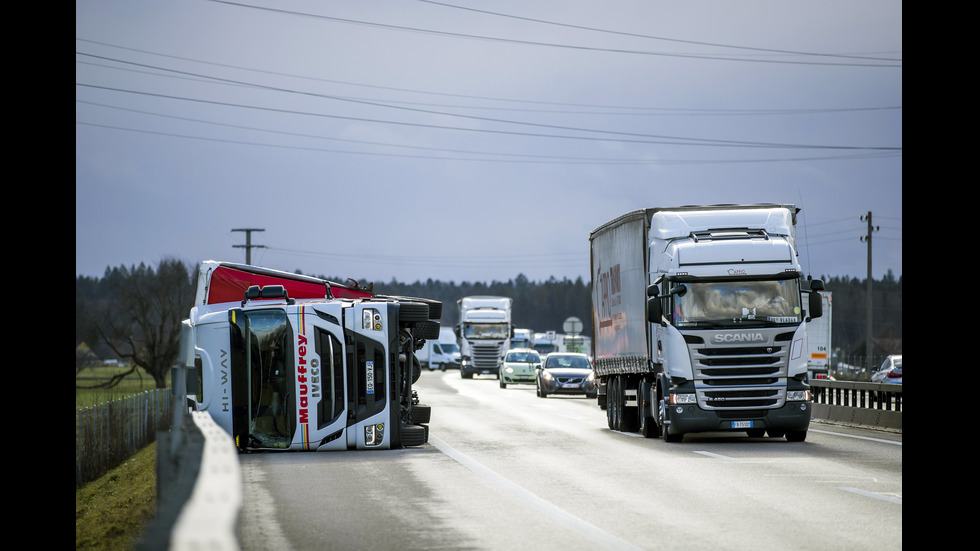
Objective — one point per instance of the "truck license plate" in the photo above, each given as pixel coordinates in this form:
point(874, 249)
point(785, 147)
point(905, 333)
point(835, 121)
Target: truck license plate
point(369, 377)
point(741, 424)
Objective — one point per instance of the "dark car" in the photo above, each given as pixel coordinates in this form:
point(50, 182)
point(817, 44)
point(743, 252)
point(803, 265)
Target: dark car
point(566, 373)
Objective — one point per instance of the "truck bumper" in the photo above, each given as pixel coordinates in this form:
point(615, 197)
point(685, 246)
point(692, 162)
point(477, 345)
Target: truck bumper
point(793, 416)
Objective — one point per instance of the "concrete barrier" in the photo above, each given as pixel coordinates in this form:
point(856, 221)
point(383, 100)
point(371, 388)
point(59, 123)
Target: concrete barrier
point(872, 405)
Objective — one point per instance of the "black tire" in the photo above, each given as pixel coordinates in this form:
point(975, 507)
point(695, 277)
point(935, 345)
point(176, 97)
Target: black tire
point(413, 435)
point(420, 414)
point(435, 306)
point(416, 369)
point(412, 312)
point(503, 384)
point(756, 433)
point(426, 330)
point(541, 391)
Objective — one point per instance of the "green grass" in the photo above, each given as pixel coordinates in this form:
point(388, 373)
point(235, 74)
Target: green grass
point(111, 512)
point(133, 384)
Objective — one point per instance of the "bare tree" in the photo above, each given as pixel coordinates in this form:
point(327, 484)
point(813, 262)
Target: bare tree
point(139, 320)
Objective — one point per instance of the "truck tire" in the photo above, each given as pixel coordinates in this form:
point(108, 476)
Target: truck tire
point(413, 435)
point(420, 414)
point(426, 330)
point(412, 312)
point(435, 306)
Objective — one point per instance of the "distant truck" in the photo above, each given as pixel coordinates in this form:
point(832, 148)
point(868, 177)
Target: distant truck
point(483, 331)
point(522, 338)
point(282, 362)
point(441, 354)
point(700, 321)
point(818, 334)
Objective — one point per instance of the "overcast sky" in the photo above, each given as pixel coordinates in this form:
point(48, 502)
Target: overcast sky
point(473, 140)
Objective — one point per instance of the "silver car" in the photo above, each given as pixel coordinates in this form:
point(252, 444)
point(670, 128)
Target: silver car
point(566, 373)
point(890, 372)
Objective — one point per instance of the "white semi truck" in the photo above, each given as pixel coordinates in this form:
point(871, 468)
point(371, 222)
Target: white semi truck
point(291, 362)
point(484, 330)
point(699, 321)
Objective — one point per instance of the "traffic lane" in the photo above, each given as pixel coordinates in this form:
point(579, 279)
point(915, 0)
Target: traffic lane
point(749, 487)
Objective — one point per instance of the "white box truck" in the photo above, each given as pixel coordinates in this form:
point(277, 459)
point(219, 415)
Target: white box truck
point(283, 363)
point(441, 354)
point(484, 330)
point(699, 321)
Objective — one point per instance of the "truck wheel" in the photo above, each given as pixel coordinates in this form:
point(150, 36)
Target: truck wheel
point(648, 426)
point(795, 435)
point(442, 367)
point(420, 414)
point(413, 435)
point(411, 312)
point(426, 330)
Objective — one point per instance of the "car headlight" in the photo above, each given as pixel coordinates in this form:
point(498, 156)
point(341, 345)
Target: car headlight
point(590, 378)
point(546, 375)
point(509, 369)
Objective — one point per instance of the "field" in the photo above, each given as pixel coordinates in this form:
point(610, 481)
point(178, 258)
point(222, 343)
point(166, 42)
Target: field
point(111, 512)
point(90, 376)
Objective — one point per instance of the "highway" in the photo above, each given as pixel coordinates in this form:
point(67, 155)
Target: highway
point(504, 469)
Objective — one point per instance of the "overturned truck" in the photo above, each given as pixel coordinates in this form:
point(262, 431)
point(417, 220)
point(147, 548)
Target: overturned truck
point(290, 362)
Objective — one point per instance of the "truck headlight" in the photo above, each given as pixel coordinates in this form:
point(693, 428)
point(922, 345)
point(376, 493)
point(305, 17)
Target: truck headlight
point(797, 395)
point(374, 434)
point(371, 319)
point(683, 399)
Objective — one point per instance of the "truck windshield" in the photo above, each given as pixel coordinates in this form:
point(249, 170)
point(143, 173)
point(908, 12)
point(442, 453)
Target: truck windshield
point(486, 330)
point(714, 303)
point(266, 349)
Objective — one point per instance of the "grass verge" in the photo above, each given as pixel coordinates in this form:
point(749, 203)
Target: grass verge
point(112, 512)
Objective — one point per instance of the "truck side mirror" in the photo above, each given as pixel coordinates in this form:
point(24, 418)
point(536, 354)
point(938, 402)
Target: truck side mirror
point(655, 310)
point(815, 309)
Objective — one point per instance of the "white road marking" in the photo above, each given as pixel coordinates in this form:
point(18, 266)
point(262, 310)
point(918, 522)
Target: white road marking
point(570, 521)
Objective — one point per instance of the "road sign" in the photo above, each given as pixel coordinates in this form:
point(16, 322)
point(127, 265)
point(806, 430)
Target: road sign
point(572, 326)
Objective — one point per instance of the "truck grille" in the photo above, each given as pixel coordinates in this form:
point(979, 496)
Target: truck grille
point(486, 356)
point(739, 377)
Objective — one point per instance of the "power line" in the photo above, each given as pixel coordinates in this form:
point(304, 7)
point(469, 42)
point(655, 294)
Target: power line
point(548, 44)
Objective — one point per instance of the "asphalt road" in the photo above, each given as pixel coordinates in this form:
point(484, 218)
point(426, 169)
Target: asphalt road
point(504, 469)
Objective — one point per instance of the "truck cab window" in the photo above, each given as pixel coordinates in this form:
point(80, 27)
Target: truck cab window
point(771, 302)
point(267, 353)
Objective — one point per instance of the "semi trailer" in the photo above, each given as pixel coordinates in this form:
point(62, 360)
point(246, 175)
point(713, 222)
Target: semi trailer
point(699, 321)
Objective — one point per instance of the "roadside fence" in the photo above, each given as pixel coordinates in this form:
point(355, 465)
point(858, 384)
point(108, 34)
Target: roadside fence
point(109, 433)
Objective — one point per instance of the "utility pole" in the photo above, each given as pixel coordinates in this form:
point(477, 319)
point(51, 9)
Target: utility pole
point(868, 344)
point(248, 246)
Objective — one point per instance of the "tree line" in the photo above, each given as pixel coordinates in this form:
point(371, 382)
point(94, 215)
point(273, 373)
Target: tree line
point(133, 313)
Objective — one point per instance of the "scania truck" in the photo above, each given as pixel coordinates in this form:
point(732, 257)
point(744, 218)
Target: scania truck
point(484, 330)
point(282, 362)
point(699, 321)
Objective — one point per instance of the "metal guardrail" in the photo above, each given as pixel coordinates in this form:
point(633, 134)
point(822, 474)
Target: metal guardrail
point(869, 404)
